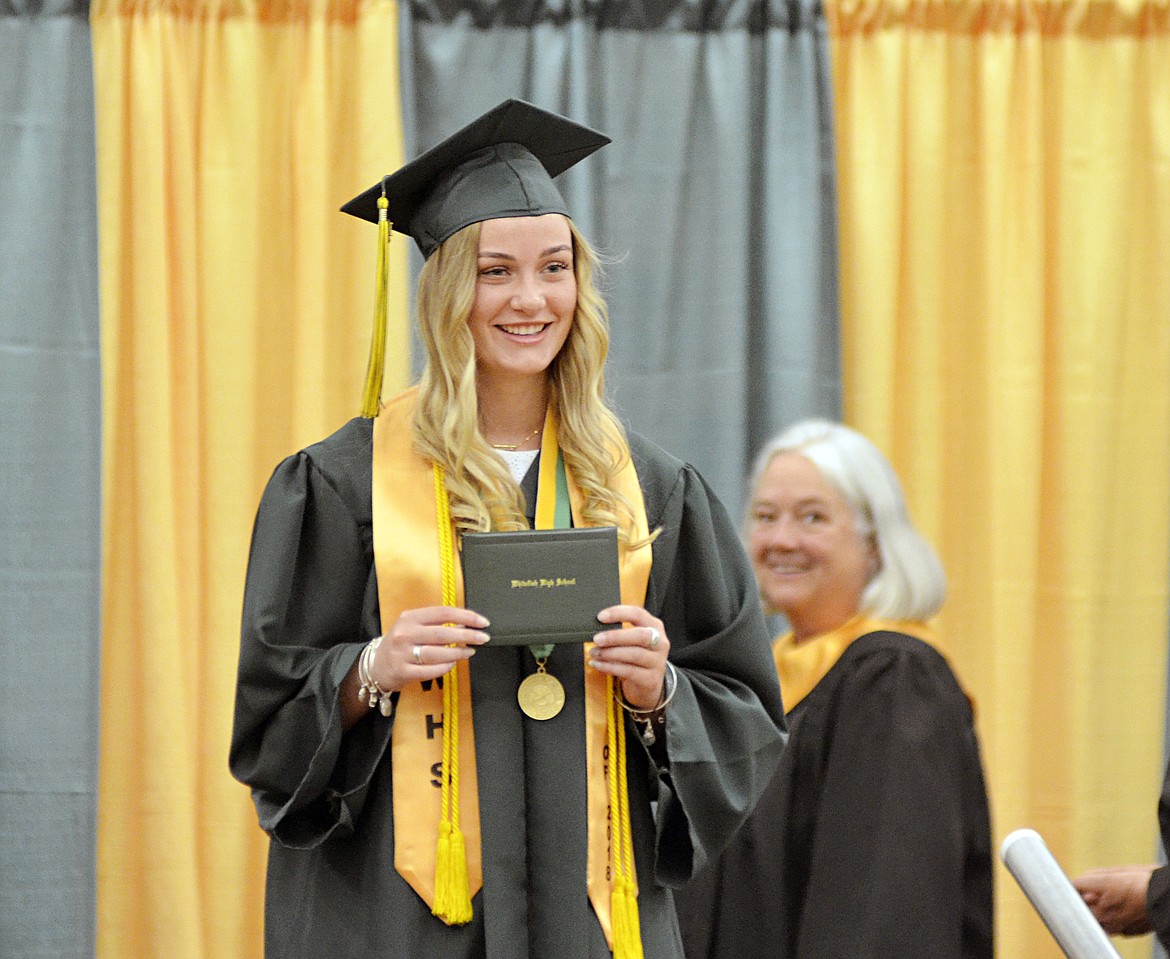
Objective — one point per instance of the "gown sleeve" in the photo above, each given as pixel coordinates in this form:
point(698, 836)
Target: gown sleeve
point(902, 833)
point(1158, 894)
point(1158, 904)
point(725, 727)
point(310, 605)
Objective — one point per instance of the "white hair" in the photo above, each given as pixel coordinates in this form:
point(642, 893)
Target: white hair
point(910, 582)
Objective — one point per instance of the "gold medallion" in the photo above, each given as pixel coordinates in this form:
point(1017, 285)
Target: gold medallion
point(541, 696)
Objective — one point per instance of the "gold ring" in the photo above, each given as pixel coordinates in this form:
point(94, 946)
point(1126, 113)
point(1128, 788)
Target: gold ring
point(416, 655)
point(654, 638)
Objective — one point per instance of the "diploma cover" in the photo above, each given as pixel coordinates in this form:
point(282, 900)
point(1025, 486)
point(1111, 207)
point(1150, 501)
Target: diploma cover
point(542, 586)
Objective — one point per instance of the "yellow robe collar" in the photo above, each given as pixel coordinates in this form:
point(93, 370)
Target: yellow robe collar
point(802, 665)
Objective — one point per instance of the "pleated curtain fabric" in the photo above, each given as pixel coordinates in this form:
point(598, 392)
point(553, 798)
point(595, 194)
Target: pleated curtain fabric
point(236, 313)
point(50, 446)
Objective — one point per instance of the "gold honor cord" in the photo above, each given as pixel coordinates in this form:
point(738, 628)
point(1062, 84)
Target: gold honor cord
point(375, 369)
point(452, 895)
point(627, 927)
point(408, 558)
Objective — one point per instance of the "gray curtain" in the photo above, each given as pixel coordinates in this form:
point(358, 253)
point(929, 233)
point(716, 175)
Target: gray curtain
point(715, 202)
point(50, 428)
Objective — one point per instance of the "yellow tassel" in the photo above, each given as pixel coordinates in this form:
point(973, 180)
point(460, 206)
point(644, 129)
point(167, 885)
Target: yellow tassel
point(452, 899)
point(623, 901)
point(627, 927)
point(372, 394)
point(452, 889)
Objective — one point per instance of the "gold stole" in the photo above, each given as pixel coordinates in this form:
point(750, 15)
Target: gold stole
point(802, 665)
point(407, 560)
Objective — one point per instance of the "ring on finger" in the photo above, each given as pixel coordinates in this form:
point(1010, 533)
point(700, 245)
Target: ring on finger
point(655, 638)
point(416, 655)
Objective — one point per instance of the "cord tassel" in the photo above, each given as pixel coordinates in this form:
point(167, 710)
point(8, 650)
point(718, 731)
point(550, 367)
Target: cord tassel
point(452, 889)
point(452, 899)
point(372, 393)
point(623, 902)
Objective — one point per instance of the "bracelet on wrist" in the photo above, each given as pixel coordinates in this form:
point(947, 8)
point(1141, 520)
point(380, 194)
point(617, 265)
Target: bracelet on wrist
point(647, 719)
point(649, 726)
point(369, 692)
point(651, 722)
point(669, 685)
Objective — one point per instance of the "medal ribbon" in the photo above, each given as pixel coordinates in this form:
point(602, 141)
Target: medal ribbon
point(553, 509)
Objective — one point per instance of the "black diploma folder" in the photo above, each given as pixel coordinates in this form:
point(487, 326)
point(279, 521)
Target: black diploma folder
point(542, 586)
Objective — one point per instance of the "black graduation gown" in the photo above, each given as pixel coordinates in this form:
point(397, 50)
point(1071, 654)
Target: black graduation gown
point(873, 839)
point(311, 603)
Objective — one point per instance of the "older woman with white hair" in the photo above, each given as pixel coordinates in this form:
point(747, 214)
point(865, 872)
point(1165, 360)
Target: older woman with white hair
point(873, 839)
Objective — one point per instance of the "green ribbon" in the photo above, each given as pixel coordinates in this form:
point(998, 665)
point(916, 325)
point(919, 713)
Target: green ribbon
point(563, 519)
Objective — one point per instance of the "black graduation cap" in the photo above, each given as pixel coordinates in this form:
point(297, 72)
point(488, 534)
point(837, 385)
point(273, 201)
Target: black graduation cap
point(501, 164)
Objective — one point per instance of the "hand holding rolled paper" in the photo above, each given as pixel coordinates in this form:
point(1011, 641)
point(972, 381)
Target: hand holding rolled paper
point(1116, 895)
point(1053, 896)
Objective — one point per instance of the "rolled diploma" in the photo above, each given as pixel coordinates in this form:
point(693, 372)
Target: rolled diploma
point(1054, 897)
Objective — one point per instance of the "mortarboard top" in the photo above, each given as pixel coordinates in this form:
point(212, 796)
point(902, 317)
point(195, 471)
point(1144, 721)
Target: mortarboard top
point(501, 164)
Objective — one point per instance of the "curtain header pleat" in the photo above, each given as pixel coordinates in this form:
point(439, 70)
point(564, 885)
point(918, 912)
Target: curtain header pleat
point(1092, 19)
point(259, 11)
point(686, 16)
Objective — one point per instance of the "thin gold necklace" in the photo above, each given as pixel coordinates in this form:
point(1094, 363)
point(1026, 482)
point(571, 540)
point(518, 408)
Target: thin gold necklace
point(510, 447)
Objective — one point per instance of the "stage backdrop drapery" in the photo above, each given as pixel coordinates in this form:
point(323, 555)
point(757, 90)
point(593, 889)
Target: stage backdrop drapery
point(1005, 243)
point(1004, 216)
point(49, 494)
point(715, 200)
point(236, 309)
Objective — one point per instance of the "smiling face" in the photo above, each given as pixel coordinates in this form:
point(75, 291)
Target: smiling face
point(525, 296)
point(811, 561)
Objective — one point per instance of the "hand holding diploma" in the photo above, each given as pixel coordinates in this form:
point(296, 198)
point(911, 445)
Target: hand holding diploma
point(636, 656)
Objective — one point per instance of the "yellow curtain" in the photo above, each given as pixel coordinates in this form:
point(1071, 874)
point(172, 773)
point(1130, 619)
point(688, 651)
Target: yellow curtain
point(1005, 257)
point(236, 310)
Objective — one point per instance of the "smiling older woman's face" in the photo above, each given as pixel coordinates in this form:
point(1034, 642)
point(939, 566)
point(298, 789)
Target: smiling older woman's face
point(811, 561)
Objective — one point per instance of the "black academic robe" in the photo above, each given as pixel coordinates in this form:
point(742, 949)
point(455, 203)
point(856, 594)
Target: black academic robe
point(311, 603)
point(873, 839)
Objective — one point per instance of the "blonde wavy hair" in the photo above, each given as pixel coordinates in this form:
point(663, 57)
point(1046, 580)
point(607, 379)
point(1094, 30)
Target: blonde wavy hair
point(482, 493)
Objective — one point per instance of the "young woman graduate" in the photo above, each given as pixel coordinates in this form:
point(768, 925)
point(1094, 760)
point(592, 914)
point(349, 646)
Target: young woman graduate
point(464, 815)
point(873, 840)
